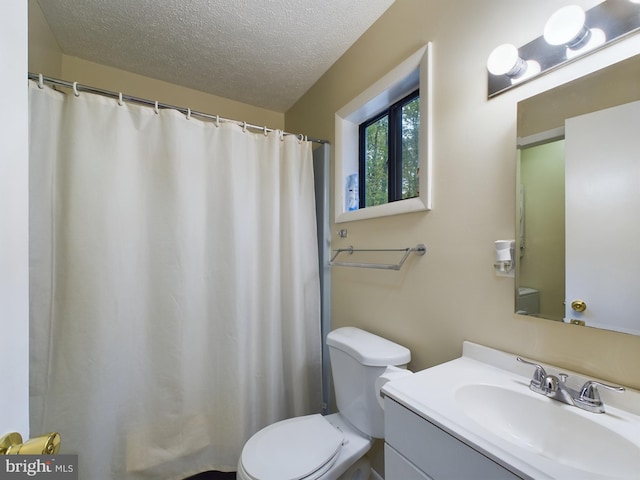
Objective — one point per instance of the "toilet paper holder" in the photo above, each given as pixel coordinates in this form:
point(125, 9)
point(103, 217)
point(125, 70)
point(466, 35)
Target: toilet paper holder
point(12, 444)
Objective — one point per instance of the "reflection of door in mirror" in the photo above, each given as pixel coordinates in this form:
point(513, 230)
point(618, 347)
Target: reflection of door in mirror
point(541, 225)
point(603, 216)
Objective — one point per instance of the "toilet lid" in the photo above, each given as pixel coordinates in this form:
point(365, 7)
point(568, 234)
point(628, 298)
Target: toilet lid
point(292, 449)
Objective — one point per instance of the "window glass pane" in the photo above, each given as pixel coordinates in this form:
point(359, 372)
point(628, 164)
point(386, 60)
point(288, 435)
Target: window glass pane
point(376, 159)
point(410, 158)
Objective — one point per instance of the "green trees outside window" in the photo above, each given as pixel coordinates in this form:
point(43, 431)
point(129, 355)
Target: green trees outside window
point(389, 156)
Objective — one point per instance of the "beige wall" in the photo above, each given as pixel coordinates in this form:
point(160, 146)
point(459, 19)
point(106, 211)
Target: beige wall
point(46, 57)
point(452, 293)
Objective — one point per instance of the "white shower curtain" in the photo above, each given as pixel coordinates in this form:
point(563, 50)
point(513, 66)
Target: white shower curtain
point(174, 285)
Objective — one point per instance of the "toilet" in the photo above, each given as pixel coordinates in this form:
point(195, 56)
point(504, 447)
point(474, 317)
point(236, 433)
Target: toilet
point(528, 301)
point(332, 447)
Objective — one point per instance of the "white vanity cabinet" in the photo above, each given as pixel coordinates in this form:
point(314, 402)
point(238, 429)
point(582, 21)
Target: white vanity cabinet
point(416, 449)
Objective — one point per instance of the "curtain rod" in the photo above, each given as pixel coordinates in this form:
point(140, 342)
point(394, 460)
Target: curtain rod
point(76, 87)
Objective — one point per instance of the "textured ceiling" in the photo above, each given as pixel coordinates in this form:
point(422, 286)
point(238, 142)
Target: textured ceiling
point(266, 53)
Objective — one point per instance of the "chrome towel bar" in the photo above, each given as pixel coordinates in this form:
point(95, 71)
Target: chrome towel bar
point(419, 249)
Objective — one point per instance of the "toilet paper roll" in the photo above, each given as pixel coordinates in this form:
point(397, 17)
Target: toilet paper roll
point(391, 373)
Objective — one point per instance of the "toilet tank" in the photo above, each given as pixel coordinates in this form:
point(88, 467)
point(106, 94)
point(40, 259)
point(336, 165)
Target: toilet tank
point(528, 301)
point(358, 358)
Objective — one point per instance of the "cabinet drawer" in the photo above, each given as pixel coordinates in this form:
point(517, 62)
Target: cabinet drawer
point(434, 451)
point(396, 467)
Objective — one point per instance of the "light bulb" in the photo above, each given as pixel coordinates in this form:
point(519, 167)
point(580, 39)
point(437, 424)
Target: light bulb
point(567, 27)
point(505, 60)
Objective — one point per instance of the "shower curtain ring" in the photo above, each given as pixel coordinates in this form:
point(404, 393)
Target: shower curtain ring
point(244, 127)
point(300, 138)
point(265, 131)
point(155, 108)
point(217, 120)
point(188, 114)
point(75, 89)
point(120, 98)
point(40, 81)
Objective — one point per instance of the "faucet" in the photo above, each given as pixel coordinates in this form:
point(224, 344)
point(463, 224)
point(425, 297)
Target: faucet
point(556, 388)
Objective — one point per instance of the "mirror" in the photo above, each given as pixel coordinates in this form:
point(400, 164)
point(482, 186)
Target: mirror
point(578, 201)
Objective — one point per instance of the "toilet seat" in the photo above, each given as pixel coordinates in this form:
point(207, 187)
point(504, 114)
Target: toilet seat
point(294, 449)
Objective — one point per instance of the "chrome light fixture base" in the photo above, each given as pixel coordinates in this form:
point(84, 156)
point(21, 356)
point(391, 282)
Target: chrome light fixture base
point(607, 22)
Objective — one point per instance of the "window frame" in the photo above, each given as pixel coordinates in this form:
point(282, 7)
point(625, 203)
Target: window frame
point(394, 113)
point(414, 72)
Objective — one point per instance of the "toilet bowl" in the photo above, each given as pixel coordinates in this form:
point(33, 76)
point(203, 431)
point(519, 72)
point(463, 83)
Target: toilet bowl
point(312, 447)
point(332, 447)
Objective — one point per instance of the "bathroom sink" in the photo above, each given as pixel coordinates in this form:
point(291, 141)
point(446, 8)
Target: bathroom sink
point(550, 429)
point(483, 399)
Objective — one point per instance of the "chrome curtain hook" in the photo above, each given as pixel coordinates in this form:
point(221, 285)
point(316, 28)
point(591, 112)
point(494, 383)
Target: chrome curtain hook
point(75, 89)
point(265, 131)
point(155, 108)
point(40, 81)
point(217, 120)
point(188, 114)
point(120, 99)
point(244, 127)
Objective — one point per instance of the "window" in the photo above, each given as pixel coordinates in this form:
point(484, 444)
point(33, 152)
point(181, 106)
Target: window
point(389, 155)
point(399, 87)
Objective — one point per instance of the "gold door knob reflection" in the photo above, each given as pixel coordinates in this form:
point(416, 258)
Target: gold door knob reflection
point(579, 305)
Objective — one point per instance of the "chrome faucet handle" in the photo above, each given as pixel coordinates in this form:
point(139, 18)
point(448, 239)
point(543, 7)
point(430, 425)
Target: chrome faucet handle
point(539, 376)
point(589, 398)
point(551, 383)
point(589, 390)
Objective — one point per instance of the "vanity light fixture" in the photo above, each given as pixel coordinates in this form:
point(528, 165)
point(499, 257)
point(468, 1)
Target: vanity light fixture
point(568, 34)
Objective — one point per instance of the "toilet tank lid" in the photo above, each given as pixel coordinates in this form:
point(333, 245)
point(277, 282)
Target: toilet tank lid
point(526, 291)
point(367, 348)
